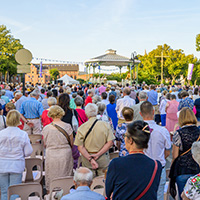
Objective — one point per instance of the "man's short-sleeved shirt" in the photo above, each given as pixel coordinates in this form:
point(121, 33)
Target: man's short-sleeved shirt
point(98, 137)
point(159, 141)
point(31, 108)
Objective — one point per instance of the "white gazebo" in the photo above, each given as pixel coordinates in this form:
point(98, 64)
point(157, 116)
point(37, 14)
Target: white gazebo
point(111, 58)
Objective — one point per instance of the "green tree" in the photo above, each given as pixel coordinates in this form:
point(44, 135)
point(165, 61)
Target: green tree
point(54, 73)
point(8, 47)
point(198, 42)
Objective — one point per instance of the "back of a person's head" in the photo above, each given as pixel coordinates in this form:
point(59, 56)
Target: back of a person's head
point(143, 95)
point(164, 92)
point(168, 96)
point(91, 110)
point(186, 116)
point(49, 94)
point(146, 108)
point(63, 101)
point(127, 91)
point(80, 93)
point(112, 99)
point(152, 87)
point(42, 90)
point(104, 95)
point(196, 91)
point(184, 94)
point(78, 101)
point(139, 132)
point(128, 113)
point(83, 176)
point(101, 108)
point(173, 97)
point(74, 95)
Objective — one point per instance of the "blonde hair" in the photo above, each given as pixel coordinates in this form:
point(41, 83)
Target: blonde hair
point(10, 106)
point(56, 112)
point(186, 116)
point(13, 118)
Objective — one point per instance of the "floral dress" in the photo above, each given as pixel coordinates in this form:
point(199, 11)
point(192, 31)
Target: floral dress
point(192, 187)
point(120, 131)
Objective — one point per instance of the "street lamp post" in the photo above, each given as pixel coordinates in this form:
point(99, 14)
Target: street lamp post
point(133, 58)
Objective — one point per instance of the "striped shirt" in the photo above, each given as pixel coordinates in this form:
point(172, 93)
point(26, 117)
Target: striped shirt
point(31, 108)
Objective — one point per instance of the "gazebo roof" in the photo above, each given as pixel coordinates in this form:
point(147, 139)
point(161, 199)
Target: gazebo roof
point(110, 59)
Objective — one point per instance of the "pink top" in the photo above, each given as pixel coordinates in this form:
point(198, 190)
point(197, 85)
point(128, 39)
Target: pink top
point(82, 118)
point(172, 110)
point(102, 89)
point(45, 119)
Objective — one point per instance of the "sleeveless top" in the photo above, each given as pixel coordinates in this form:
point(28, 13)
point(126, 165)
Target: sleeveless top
point(172, 110)
point(187, 165)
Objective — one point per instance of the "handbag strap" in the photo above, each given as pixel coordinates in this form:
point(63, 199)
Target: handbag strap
point(63, 132)
point(150, 182)
point(90, 130)
point(189, 148)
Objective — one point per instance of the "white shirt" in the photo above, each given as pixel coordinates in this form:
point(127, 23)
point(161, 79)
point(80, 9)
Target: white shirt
point(159, 141)
point(105, 101)
point(14, 147)
point(124, 102)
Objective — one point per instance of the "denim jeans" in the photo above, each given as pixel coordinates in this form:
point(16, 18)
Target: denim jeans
point(161, 187)
point(181, 181)
point(6, 180)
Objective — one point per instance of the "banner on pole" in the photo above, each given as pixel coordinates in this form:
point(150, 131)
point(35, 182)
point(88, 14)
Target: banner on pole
point(190, 71)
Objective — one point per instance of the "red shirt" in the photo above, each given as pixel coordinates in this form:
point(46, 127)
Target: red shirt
point(88, 100)
point(45, 119)
point(82, 118)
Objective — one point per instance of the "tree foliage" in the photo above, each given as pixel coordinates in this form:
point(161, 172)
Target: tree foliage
point(198, 42)
point(8, 46)
point(54, 73)
point(175, 64)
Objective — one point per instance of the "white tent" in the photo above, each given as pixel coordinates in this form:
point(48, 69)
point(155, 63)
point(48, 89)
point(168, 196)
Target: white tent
point(68, 80)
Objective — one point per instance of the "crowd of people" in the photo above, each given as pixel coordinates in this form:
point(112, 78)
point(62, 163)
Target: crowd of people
point(87, 122)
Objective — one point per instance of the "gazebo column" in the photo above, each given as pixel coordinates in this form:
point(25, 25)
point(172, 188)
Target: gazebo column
point(93, 69)
point(120, 70)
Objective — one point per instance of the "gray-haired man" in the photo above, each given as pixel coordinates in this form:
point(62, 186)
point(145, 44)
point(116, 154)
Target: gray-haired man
point(83, 180)
point(136, 108)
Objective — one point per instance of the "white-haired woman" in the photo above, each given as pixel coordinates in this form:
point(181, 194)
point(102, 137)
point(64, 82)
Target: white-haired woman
point(58, 140)
point(192, 187)
point(45, 119)
point(14, 147)
point(94, 138)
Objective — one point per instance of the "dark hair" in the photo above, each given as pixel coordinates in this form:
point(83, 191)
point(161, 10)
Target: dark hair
point(196, 91)
point(168, 96)
point(138, 135)
point(74, 95)
point(61, 91)
point(184, 94)
point(80, 93)
point(146, 108)
point(63, 102)
point(112, 99)
point(42, 90)
point(49, 94)
point(104, 95)
point(173, 96)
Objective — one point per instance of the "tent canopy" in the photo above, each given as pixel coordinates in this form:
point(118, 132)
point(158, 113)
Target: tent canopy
point(68, 80)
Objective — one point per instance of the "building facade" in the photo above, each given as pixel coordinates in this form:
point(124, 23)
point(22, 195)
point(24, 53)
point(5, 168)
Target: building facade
point(38, 75)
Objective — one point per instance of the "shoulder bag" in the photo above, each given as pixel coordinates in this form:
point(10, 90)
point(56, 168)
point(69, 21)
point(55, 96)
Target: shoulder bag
point(90, 130)
point(172, 176)
point(150, 182)
point(63, 132)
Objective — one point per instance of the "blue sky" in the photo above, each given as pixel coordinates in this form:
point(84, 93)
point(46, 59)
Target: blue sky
point(76, 30)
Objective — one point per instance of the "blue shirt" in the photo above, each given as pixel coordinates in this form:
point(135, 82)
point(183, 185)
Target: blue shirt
point(187, 102)
point(31, 108)
point(5, 98)
point(9, 94)
point(111, 110)
point(83, 193)
point(19, 102)
point(152, 97)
